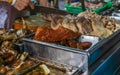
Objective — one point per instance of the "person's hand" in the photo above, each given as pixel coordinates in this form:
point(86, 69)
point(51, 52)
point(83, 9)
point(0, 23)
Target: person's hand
point(44, 3)
point(22, 4)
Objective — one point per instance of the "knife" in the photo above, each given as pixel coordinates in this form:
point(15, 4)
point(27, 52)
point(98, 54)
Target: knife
point(48, 10)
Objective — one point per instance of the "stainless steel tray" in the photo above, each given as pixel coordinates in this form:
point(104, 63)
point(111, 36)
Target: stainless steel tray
point(57, 53)
point(71, 56)
point(54, 67)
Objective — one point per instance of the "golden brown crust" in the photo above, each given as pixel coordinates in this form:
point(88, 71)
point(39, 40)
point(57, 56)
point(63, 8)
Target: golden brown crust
point(47, 34)
point(20, 26)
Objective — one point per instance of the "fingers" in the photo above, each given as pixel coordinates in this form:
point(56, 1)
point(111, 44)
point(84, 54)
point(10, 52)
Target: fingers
point(22, 4)
point(44, 3)
point(31, 5)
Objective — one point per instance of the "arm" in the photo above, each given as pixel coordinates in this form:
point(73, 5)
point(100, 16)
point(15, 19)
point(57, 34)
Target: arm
point(44, 3)
point(20, 4)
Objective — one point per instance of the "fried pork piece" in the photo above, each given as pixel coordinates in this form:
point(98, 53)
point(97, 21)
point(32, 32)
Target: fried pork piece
point(49, 35)
point(79, 45)
point(85, 45)
point(56, 22)
point(72, 43)
point(84, 25)
point(87, 23)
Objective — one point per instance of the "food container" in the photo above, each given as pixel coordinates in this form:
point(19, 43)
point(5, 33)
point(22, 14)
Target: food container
point(71, 56)
point(33, 22)
point(57, 53)
point(55, 68)
point(77, 10)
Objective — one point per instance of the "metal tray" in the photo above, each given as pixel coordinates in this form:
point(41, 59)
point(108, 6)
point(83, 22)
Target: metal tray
point(55, 67)
point(71, 56)
point(57, 53)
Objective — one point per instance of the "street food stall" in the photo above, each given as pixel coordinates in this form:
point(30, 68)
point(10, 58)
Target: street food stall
point(85, 42)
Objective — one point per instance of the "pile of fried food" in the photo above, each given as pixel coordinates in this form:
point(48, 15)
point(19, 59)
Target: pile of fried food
point(15, 35)
point(66, 30)
point(10, 61)
point(13, 62)
point(90, 5)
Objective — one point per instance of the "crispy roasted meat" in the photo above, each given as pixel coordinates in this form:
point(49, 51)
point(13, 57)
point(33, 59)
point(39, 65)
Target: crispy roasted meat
point(49, 35)
point(86, 45)
point(56, 22)
point(84, 25)
point(87, 23)
point(63, 42)
point(62, 36)
point(72, 43)
point(79, 45)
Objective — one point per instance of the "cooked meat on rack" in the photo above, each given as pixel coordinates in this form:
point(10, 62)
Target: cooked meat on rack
point(47, 34)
